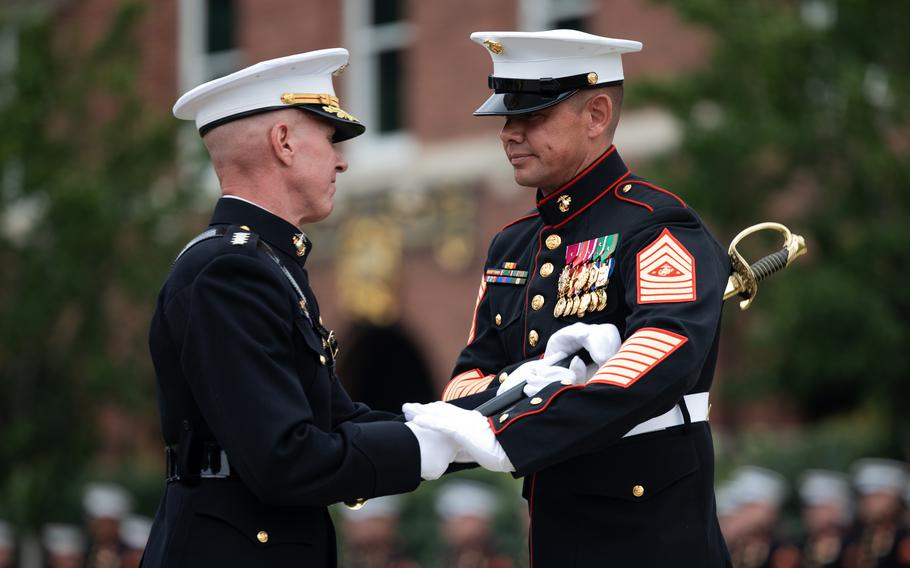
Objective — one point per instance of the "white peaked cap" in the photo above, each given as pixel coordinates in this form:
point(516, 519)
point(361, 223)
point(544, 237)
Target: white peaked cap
point(134, 531)
point(752, 484)
point(820, 486)
point(303, 80)
point(874, 475)
point(466, 499)
point(106, 500)
point(6, 536)
point(63, 539)
point(555, 54)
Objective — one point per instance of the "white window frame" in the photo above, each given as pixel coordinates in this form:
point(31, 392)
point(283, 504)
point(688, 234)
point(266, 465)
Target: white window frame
point(539, 15)
point(373, 151)
point(195, 65)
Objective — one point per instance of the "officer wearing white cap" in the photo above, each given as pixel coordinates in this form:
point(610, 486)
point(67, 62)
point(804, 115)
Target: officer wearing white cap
point(261, 436)
point(7, 545)
point(134, 533)
point(371, 535)
point(466, 510)
point(879, 539)
point(619, 463)
point(64, 546)
point(827, 514)
point(759, 493)
point(106, 505)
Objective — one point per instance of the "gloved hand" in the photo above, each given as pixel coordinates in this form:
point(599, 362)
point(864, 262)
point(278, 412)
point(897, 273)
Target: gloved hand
point(437, 450)
point(541, 372)
point(468, 428)
point(601, 341)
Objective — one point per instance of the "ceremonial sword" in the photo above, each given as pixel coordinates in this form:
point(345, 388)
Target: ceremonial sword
point(742, 282)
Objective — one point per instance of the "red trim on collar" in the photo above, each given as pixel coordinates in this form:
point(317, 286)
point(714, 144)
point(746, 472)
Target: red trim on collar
point(660, 189)
point(602, 157)
point(595, 200)
point(520, 219)
point(620, 197)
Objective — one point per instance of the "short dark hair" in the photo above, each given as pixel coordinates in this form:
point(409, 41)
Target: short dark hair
point(615, 92)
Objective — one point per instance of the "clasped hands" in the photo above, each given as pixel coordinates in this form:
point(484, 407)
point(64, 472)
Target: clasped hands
point(447, 433)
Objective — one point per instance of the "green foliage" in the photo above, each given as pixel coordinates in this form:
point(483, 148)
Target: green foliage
point(802, 114)
point(82, 160)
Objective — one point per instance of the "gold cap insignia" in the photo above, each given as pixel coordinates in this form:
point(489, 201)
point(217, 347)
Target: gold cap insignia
point(309, 99)
point(494, 46)
point(334, 109)
point(592, 78)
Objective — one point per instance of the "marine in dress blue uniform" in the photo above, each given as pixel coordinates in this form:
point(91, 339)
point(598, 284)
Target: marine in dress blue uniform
point(261, 437)
point(618, 470)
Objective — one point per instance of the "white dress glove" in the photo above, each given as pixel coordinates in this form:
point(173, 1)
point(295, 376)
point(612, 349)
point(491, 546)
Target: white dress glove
point(468, 428)
point(437, 450)
point(601, 340)
point(541, 372)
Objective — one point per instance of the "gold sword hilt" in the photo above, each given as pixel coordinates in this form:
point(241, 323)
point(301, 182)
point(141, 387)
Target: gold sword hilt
point(745, 277)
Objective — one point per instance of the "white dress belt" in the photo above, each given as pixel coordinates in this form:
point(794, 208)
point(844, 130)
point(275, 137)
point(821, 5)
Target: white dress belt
point(698, 407)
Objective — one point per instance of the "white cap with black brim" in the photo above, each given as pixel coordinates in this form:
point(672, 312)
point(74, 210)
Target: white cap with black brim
point(536, 70)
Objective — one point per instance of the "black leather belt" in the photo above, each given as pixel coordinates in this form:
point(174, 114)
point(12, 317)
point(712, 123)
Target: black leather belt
point(213, 463)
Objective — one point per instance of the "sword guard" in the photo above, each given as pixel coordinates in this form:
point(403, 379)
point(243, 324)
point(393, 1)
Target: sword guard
point(745, 277)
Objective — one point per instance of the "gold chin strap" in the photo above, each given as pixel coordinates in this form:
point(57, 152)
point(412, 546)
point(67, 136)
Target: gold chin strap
point(745, 278)
point(309, 99)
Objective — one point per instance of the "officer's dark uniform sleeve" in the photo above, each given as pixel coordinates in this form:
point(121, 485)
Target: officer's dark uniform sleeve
point(242, 374)
point(668, 335)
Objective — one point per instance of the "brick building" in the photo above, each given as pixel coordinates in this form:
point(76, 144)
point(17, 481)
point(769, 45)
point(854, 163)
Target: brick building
point(398, 263)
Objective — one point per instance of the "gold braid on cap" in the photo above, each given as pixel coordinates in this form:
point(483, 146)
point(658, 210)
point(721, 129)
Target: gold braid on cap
point(309, 99)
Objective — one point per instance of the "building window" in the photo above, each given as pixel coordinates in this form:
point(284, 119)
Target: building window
point(537, 15)
point(377, 33)
point(221, 48)
point(208, 41)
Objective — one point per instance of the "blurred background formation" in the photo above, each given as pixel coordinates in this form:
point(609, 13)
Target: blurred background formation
point(796, 111)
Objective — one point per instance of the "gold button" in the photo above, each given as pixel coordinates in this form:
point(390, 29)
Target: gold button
point(262, 537)
point(322, 359)
point(536, 400)
point(566, 382)
point(356, 504)
point(625, 189)
point(533, 338)
point(245, 227)
point(504, 417)
point(592, 78)
point(546, 269)
point(537, 302)
point(498, 319)
point(564, 202)
point(553, 241)
point(638, 491)
point(503, 376)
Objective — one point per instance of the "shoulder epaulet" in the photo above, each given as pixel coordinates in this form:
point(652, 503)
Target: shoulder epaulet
point(231, 236)
point(240, 236)
point(644, 194)
point(529, 215)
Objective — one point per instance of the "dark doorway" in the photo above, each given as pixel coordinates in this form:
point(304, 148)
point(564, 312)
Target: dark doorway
point(384, 368)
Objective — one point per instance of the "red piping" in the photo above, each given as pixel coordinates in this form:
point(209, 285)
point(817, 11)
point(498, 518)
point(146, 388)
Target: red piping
point(609, 151)
point(519, 220)
point(593, 201)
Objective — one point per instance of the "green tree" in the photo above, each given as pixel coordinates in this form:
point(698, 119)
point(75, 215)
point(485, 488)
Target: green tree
point(801, 113)
point(85, 202)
